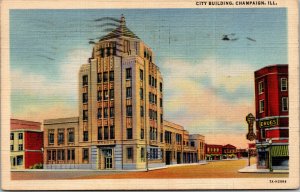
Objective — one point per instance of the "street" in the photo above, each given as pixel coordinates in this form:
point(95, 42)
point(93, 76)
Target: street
point(216, 169)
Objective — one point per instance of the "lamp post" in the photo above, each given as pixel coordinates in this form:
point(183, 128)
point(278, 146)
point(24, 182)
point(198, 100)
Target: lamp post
point(248, 156)
point(270, 156)
point(250, 119)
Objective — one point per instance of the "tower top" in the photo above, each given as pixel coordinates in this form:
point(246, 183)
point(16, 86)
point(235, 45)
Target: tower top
point(120, 31)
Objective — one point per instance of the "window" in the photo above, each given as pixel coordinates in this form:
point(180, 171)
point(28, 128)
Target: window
point(285, 104)
point(128, 73)
point(84, 97)
point(105, 132)
point(71, 154)
point(142, 133)
point(141, 75)
point(150, 80)
point(128, 92)
point(99, 133)
point(60, 136)
point(112, 132)
point(105, 114)
point(11, 147)
point(284, 85)
point(20, 147)
point(161, 118)
point(160, 102)
point(60, 154)
point(85, 80)
point(129, 110)
point(48, 155)
point(161, 137)
point(105, 77)
point(51, 136)
point(99, 77)
point(71, 135)
point(111, 76)
point(129, 153)
point(141, 93)
point(192, 143)
point(153, 153)
point(155, 83)
point(20, 160)
point(12, 136)
point(108, 51)
point(85, 154)
point(114, 51)
point(160, 87)
point(85, 115)
point(20, 136)
point(111, 94)
point(99, 115)
point(142, 153)
point(99, 96)
point(261, 87)
point(129, 133)
point(261, 106)
point(112, 112)
point(142, 111)
point(102, 52)
point(54, 155)
point(85, 135)
point(105, 95)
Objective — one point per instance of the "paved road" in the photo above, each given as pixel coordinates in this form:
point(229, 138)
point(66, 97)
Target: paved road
point(217, 169)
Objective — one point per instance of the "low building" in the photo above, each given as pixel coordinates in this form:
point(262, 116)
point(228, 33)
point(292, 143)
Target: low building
point(229, 151)
point(26, 144)
point(213, 152)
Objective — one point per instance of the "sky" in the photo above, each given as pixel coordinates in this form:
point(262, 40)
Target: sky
point(208, 82)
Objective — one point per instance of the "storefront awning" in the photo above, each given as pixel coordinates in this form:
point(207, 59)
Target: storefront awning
point(280, 151)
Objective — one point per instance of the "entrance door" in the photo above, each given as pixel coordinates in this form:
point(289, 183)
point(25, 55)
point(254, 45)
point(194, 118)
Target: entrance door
point(178, 158)
point(168, 157)
point(108, 160)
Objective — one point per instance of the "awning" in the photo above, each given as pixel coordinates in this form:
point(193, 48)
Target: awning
point(280, 151)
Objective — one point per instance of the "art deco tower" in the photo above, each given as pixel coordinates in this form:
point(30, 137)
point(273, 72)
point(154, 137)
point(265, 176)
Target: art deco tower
point(121, 103)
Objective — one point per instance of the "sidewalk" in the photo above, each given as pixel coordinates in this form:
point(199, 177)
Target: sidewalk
point(253, 169)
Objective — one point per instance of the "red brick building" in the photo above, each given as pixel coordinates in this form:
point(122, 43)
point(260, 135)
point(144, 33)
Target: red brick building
point(272, 116)
point(213, 152)
point(26, 143)
point(229, 151)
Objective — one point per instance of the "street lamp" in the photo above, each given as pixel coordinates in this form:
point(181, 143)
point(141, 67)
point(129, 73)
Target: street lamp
point(270, 155)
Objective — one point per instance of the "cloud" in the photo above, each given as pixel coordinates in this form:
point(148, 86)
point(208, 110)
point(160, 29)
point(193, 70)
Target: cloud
point(192, 96)
point(37, 96)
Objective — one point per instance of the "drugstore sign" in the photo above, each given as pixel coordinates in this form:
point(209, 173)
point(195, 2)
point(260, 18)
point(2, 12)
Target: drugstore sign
point(269, 123)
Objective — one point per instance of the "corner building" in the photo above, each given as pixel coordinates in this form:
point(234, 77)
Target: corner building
point(120, 120)
point(272, 117)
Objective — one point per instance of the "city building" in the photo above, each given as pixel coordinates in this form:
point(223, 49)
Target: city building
point(120, 124)
point(213, 152)
point(26, 144)
point(272, 117)
point(229, 151)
